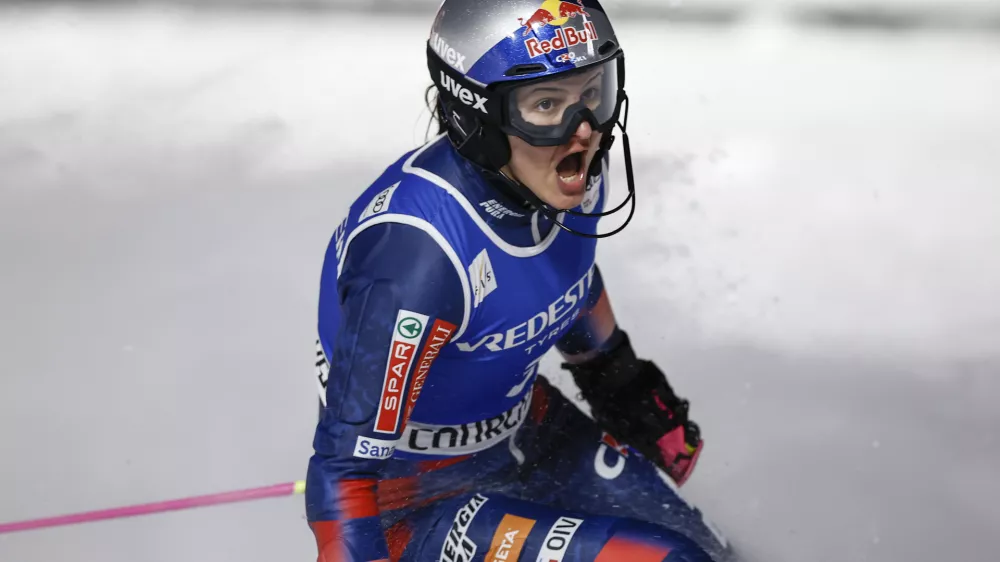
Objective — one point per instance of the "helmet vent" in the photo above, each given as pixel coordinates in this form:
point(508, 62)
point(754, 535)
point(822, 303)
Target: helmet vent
point(607, 47)
point(522, 69)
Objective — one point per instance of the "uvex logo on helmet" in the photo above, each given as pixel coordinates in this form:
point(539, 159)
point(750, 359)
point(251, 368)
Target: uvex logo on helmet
point(463, 94)
point(447, 53)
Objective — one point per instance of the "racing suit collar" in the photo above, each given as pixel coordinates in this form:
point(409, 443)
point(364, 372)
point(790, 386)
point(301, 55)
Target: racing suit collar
point(492, 198)
point(508, 216)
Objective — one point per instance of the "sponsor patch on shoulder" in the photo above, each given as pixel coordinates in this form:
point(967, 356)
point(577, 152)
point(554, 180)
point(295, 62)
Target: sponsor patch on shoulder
point(406, 335)
point(379, 203)
point(371, 448)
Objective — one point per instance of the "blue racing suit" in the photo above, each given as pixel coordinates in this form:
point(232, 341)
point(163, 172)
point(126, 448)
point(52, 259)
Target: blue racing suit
point(437, 439)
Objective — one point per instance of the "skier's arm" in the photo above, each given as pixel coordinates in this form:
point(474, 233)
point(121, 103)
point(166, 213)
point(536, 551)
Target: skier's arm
point(387, 268)
point(629, 396)
point(595, 330)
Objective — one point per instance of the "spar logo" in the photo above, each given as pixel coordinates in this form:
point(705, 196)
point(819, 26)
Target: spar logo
point(410, 327)
point(405, 337)
point(557, 13)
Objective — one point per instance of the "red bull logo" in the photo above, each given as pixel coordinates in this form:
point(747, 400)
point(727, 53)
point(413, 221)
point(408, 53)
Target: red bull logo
point(558, 13)
point(546, 15)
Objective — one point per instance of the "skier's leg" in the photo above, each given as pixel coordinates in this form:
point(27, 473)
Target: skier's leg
point(571, 464)
point(493, 527)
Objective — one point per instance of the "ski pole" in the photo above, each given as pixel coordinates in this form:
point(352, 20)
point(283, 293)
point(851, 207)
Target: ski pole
point(275, 491)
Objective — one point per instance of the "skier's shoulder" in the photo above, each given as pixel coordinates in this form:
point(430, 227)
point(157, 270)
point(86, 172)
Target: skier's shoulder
point(396, 264)
point(406, 191)
point(394, 224)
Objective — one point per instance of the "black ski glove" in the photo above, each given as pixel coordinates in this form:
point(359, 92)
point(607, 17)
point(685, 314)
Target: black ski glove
point(631, 399)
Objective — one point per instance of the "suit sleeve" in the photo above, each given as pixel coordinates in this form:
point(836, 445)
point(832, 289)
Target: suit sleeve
point(396, 282)
point(595, 329)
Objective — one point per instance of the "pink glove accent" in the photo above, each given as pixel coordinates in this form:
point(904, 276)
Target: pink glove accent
point(678, 456)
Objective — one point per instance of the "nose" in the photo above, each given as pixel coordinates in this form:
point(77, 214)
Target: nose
point(584, 131)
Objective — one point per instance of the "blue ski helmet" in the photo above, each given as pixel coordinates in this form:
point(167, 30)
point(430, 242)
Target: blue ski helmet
point(481, 52)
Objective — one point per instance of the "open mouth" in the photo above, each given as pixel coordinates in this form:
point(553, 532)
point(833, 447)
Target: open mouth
point(570, 168)
point(572, 174)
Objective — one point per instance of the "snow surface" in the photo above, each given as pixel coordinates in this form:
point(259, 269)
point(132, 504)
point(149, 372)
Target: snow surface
point(815, 261)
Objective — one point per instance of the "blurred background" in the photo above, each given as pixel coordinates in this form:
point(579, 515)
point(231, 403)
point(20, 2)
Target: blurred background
point(814, 260)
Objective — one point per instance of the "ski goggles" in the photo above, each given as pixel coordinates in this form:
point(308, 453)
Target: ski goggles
point(544, 111)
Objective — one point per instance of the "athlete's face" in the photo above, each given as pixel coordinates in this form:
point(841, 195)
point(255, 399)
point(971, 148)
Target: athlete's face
point(556, 174)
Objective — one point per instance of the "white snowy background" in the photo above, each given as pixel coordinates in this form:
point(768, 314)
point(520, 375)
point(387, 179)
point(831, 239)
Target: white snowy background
point(815, 262)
